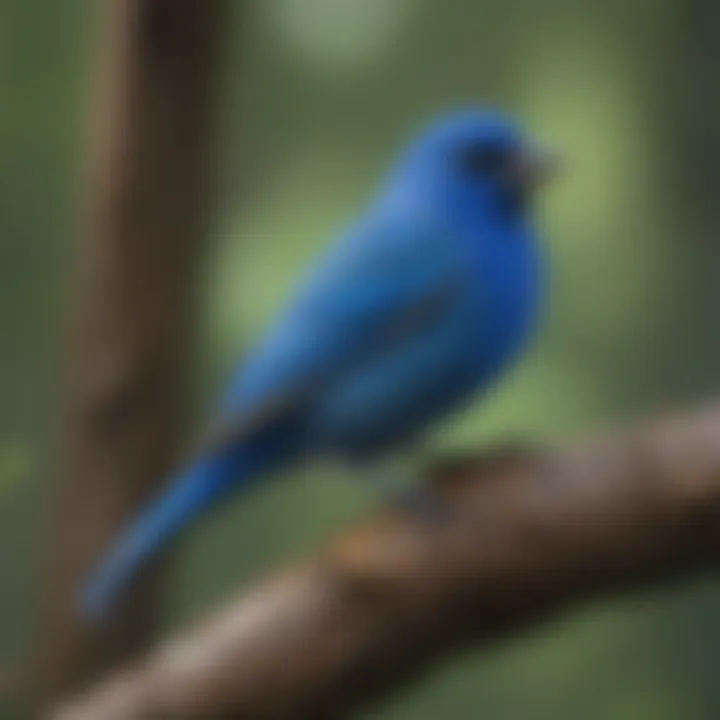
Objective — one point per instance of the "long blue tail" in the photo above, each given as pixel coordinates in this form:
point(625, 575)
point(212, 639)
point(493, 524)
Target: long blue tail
point(188, 497)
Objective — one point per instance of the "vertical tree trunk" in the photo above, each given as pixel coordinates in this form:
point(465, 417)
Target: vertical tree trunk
point(146, 207)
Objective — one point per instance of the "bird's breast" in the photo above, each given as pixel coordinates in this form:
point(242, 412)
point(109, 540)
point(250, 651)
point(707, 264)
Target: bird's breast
point(505, 297)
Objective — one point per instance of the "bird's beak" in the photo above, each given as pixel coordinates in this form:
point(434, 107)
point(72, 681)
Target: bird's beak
point(536, 166)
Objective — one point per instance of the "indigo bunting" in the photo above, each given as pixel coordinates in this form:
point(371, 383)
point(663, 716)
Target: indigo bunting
point(417, 308)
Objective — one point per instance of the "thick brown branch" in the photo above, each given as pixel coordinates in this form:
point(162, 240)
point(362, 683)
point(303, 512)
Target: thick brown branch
point(521, 537)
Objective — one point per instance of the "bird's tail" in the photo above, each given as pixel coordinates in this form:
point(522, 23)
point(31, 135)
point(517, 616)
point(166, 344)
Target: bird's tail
point(186, 498)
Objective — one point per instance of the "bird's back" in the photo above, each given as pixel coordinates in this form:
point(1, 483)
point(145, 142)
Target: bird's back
point(372, 394)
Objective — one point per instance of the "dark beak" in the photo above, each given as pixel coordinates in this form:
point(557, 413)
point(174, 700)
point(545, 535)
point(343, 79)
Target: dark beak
point(535, 167)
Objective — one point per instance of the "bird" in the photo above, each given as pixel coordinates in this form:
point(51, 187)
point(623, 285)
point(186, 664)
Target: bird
point(417, 309)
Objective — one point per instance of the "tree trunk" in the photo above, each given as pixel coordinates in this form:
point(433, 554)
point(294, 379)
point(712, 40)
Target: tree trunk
point(146, 211)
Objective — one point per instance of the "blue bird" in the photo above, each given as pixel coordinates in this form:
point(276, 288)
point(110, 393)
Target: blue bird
point(420, 306)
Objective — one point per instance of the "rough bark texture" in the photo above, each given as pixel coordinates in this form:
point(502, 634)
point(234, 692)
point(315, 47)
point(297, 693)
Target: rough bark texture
point(145, 214)
point(520, 538)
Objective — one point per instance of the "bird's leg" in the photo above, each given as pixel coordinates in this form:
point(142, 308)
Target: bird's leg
point(421, 504)
point(401, 487)
point(422, 495)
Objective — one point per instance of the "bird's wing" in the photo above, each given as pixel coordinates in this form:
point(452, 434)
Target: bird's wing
point(377, 290)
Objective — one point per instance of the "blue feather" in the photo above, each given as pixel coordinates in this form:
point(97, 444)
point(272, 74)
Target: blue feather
point(191, 494)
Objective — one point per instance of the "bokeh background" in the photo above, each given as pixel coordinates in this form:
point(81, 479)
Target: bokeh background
point(315, 95)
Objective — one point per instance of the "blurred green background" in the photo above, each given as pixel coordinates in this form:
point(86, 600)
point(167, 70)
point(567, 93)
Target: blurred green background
point(316, 94)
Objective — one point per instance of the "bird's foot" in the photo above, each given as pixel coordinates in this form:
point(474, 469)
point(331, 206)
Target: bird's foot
point(421, 505)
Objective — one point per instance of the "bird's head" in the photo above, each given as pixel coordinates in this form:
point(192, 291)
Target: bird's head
point(476, 161)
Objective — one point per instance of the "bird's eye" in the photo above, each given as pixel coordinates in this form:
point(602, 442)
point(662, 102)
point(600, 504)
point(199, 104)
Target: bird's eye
point(487, 160)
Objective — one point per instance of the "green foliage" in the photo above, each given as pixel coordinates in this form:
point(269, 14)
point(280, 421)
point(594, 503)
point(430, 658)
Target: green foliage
point(15, 464)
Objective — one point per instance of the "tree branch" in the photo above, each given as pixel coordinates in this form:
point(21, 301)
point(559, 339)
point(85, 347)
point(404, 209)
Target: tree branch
point(522, 537)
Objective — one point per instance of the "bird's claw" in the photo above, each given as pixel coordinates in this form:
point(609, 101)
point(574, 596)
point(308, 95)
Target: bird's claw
point(421, 505)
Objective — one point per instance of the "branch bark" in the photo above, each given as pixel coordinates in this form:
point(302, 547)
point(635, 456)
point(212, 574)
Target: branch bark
point(145, 216)
point(521, 538)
